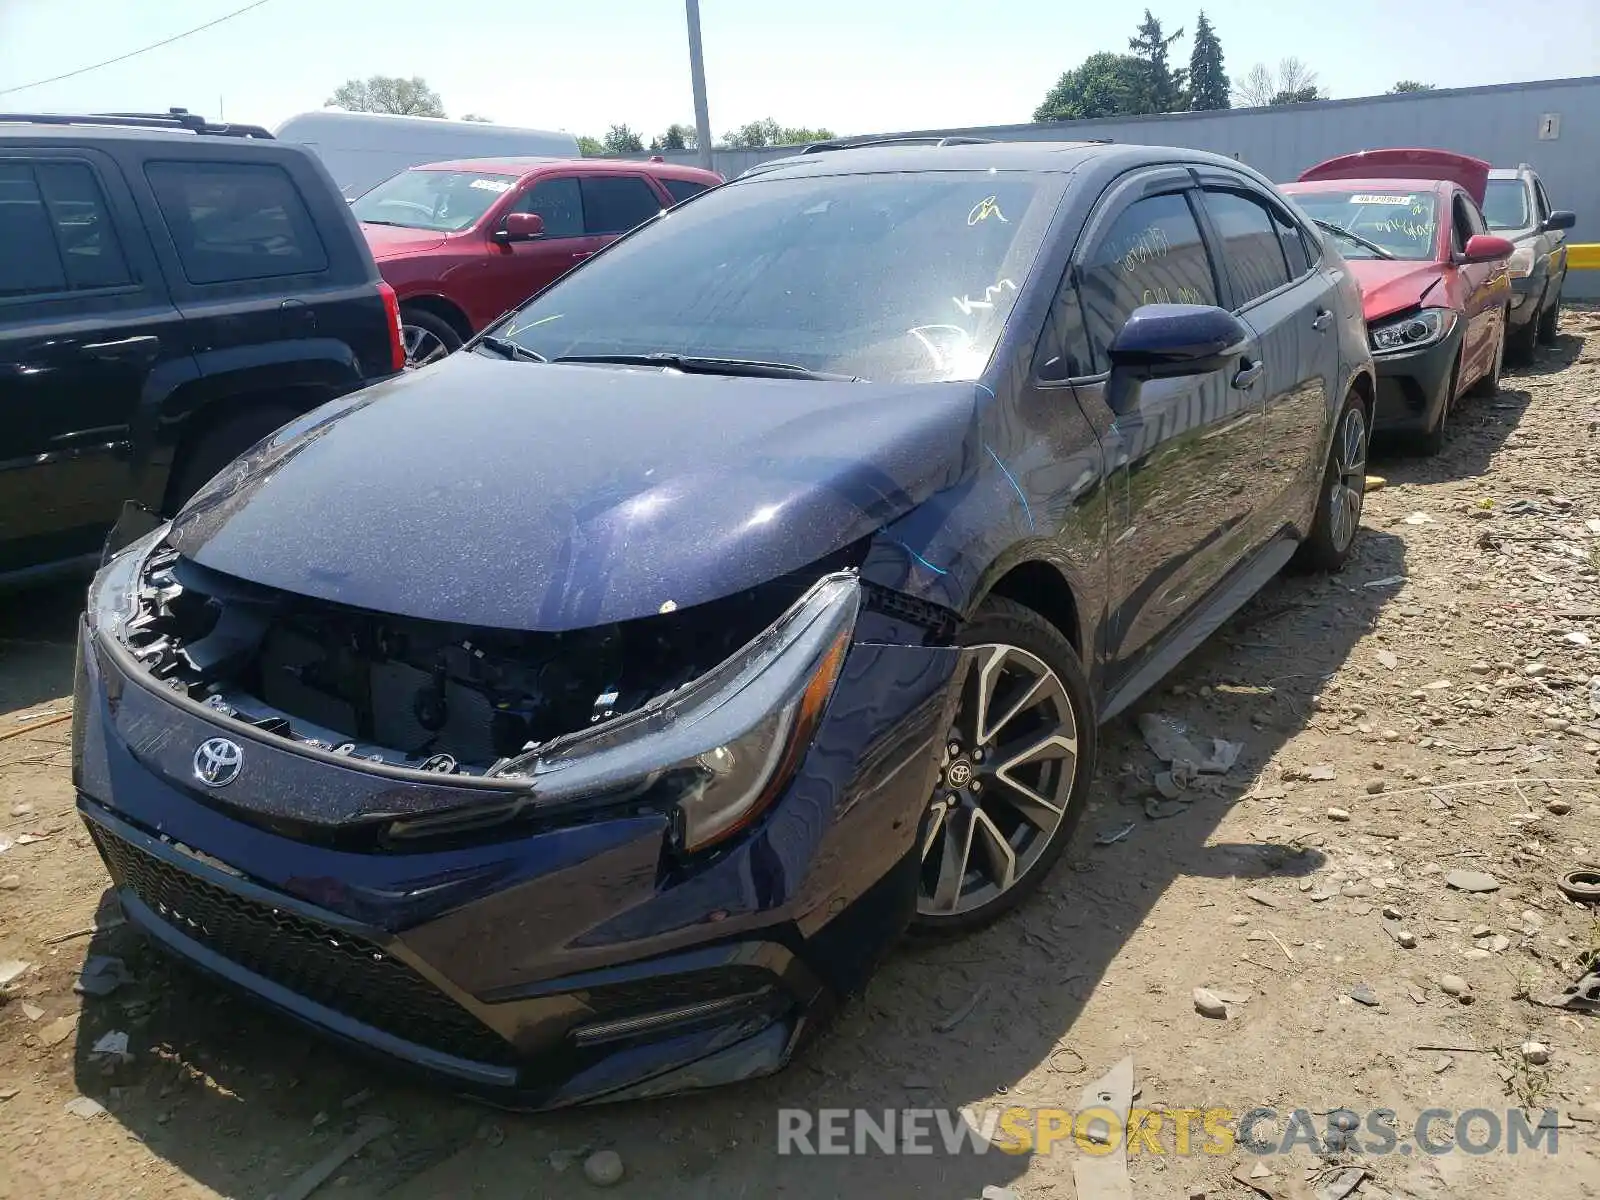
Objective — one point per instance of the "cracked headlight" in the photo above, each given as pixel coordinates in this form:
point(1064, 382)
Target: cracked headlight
point(1521, 263)
point(114, 593)
point(1411, 332)
point(714, 753)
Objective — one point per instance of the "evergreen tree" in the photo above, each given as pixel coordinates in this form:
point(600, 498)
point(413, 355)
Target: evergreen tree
point(1163, 87)
point(1208, 82)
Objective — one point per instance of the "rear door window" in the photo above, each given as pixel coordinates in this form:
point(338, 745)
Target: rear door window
point(236, 221)
point(558, 202)
point(30, 263)
point(90, 251)
point(1152, 254)
point(682, 189)
point(616, 203)
point(1251, 246)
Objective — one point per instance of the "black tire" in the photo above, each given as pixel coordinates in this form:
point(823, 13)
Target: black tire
point(1027, 642)
point(1489, 385)
point(218, 447)
point(1520, 342)
point(426, 337)
point(1342, 492)
point(1550, 320)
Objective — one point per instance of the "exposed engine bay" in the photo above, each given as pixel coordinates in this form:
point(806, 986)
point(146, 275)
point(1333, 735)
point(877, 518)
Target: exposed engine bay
point(415, 693)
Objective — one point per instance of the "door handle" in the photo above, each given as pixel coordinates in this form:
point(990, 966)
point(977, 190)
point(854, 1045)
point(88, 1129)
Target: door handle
point(134, 349)
point(582, 254)
point(1323, 319)
point(1248, 374)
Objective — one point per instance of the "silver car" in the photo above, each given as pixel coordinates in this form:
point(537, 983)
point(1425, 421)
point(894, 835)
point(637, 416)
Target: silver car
point(1516, 207)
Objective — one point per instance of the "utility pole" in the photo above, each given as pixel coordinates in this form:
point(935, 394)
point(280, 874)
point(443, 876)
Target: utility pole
point(697, 76)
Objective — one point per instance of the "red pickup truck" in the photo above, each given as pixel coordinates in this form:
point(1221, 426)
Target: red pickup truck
point(463, 242)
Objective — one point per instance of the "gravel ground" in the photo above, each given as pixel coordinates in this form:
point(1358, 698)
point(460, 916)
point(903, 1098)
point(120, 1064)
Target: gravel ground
point(1433, 710)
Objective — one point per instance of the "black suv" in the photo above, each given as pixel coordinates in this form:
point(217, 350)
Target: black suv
point(170, 292)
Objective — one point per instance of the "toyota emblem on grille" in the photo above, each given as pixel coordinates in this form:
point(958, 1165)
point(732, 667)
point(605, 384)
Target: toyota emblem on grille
point(217, 762)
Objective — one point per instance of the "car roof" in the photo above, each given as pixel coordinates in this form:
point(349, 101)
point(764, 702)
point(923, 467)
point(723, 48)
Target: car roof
point(1059, 157)
point(87, 131)
point(525, 165)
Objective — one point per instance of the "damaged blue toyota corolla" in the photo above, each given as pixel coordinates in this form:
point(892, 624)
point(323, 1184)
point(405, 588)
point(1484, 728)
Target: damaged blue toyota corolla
point(582, 716)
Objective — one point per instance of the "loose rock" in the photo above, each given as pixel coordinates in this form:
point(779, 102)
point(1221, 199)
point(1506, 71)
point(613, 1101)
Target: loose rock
point(603, 1168)
point(1338, 814)
point(1362, 994)
point(1472, 881)
point(1406, 939)
point(1554, 805)
point(10, 883)
point(1536, 1053)
point(1454, 985)
point(1375, 786)
point(1208, 1004)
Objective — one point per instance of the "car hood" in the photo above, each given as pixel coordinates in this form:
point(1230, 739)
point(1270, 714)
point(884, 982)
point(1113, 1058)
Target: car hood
point(1391, 286)
point(1375, 165)
point(390, 241)
point(552, 497)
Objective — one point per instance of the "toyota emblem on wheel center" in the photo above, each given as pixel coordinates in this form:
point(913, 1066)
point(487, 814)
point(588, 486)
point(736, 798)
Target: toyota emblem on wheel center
point(217, 762)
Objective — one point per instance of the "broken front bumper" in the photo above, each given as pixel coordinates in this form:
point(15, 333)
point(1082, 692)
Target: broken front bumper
point(543, 965)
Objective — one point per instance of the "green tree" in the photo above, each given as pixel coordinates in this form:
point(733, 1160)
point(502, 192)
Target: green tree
point(1162, 90)
point(1302, 95)
point(1208, 82)
point(1103, 85)
point(620, 139)
point(1410, 85)
point(590, 147)
point(677, 137)
point(795, 135)
point(388, 94)
point(476, 118)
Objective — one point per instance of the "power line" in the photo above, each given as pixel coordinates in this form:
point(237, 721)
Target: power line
point(22, 87)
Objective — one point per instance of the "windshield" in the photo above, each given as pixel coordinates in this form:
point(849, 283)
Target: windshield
point(1403, 223)
point(1505, 204)
point(441, 200)
point(898, 277)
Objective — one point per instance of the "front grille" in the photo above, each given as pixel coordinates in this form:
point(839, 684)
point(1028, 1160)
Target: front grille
point(348, 974)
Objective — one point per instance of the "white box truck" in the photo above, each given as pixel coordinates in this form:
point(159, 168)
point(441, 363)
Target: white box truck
point(361, 150)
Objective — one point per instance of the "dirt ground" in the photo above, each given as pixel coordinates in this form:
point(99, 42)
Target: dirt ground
point(1446, 682)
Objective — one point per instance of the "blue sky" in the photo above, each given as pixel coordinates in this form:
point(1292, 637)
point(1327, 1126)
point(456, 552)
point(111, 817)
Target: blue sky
point(851, 65)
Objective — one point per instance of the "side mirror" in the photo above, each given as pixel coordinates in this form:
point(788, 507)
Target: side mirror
point(1560, 218)
point(520, 227)
point(1486, 247)
point(1163, 341)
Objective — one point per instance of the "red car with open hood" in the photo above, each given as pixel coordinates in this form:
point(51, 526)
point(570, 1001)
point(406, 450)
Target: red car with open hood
point(1435, 283)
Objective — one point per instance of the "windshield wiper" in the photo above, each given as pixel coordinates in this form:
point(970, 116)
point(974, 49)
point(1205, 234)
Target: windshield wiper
point(1354, 237)
point(393, 224)
point(506, 348)
point(692, 364)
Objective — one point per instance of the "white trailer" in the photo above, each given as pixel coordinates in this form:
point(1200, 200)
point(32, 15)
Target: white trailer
point(361, 150)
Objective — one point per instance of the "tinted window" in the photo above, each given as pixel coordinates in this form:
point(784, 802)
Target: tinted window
point(888, 276)
point(30, 261)
point(616, 203)
point(1505, 204)
point(1064, 345)
point(1152, 254)
point(681, 189)
point(1467, 221)
point(1403, 223)
point(89, 247)
point(1541, 199)
point(559, 203)
point(1294, 244)
point(443, 200)
point(236, 220)
point(1250, 244)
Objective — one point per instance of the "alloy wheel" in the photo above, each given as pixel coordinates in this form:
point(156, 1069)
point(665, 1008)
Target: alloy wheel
point(1005, 779)
point(421, 346)
point(1349, 486)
